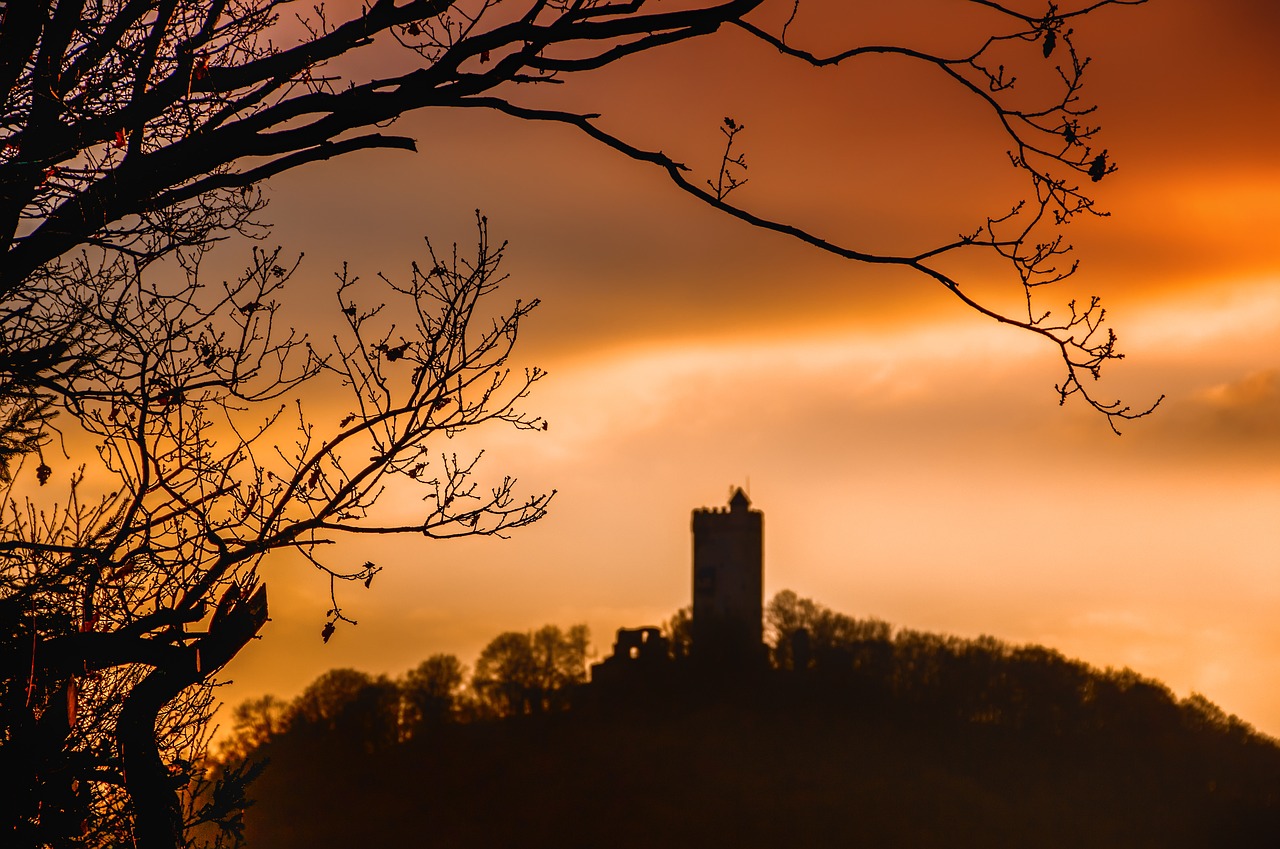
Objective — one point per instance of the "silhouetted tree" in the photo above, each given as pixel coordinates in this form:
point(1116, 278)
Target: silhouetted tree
point(561, 658)
point(1042, 691)
point(679, 633)
point(431, 693)
point(506, 676)
point(534, 672)
point(254, 723)
point(140, 128)
point(1127, 705)
point(121, 602)
point(830, 637)
point(349, 708)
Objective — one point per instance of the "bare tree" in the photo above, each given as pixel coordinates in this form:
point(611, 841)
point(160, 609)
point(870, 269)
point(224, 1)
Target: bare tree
point(144, 126)
point(118, 609)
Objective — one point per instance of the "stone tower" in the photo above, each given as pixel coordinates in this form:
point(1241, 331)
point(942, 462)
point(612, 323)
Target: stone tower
point(728, 584)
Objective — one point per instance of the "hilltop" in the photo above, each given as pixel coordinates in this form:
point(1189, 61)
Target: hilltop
point(874, 738)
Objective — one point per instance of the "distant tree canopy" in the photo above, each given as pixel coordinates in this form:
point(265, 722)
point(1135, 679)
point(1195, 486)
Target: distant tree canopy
point(517, 674)
point(1000, 739)
point(793, 623)
point(679, 633)
point(535, 672)
point(254, 723)
point(863, 666)
point(347, 705)
point(431, 693)
point(871, 668)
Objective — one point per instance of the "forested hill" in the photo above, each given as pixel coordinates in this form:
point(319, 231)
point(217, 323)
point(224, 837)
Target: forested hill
point(878, 739)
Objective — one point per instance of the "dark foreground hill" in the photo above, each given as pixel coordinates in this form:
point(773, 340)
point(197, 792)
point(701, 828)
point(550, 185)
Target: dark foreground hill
point(783, 764)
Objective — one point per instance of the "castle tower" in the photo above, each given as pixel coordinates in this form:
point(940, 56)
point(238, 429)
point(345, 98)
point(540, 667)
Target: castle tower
point(728, 584)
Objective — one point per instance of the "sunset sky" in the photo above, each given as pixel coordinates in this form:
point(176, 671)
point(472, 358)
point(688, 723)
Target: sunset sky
point(910, 456)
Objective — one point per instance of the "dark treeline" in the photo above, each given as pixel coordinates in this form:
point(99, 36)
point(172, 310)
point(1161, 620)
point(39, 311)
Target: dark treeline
point(855, 732)
point(516, 674)
point(981, 681)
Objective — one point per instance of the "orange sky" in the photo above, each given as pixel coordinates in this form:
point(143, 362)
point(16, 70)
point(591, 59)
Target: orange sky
point(910, 457)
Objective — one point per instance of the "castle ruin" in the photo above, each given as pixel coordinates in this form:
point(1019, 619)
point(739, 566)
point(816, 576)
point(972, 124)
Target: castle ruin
point(727, 628)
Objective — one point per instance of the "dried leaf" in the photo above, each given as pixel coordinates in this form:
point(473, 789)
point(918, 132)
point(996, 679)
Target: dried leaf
point(170, 397)
point(327, 632)
point(1098, 169)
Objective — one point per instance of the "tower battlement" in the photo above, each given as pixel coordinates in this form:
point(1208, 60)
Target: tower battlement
point(728, 584)
point(727, 627)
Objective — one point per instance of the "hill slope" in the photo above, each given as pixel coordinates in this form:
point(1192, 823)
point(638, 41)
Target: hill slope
point(783, 766)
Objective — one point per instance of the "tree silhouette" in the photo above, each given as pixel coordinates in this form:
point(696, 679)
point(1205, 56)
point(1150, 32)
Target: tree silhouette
point(143, 127)
point(825, 632)
point(120, 603)
point(431, 693)
point(518, 674)
point(678, 631)
point(347, 707)
point(254, 723)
